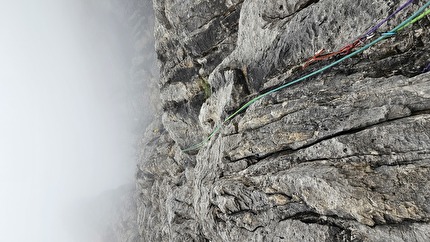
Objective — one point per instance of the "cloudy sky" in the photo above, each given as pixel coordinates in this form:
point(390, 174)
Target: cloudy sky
point(65, 127)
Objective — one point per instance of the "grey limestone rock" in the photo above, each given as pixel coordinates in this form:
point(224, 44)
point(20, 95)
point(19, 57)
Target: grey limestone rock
point(343, 156)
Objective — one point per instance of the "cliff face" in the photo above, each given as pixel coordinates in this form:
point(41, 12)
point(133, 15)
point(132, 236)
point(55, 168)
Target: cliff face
point(343, 156)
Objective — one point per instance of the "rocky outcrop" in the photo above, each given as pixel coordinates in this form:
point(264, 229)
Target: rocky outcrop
point(343, 156)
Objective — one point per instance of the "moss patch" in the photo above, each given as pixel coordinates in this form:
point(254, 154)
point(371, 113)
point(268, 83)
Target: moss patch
point(205, 87)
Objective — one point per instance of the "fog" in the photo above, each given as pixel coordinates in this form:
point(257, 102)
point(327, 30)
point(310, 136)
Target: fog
point(67, 125)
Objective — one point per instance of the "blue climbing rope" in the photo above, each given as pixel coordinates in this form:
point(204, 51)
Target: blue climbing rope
point(419, 14)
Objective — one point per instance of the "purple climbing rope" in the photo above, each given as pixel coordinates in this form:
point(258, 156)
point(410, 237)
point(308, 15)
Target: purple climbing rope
point(320, 55)
point(427, 68)
point(376, 27)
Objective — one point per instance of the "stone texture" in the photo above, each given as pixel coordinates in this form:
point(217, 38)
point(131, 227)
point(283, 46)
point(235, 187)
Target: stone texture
point(344, 156)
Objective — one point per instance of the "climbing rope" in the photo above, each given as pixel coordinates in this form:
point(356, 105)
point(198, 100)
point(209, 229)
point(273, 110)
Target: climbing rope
point(376, 27)
point(419, 14)
point(415, 19)
point(319, 55)
point(427, 68)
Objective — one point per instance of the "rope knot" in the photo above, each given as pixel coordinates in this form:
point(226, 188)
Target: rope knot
point(389, 34)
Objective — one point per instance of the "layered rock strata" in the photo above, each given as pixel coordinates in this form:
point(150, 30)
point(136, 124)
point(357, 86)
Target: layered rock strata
point(343, 156)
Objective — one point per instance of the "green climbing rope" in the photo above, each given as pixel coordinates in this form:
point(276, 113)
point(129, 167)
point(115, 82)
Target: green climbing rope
point(419, 14)
point(415, 19)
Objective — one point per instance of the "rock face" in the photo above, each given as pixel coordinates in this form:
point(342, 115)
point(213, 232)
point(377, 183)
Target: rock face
point(343, 156)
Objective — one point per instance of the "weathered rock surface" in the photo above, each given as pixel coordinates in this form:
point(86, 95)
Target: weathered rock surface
point(343, 156)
